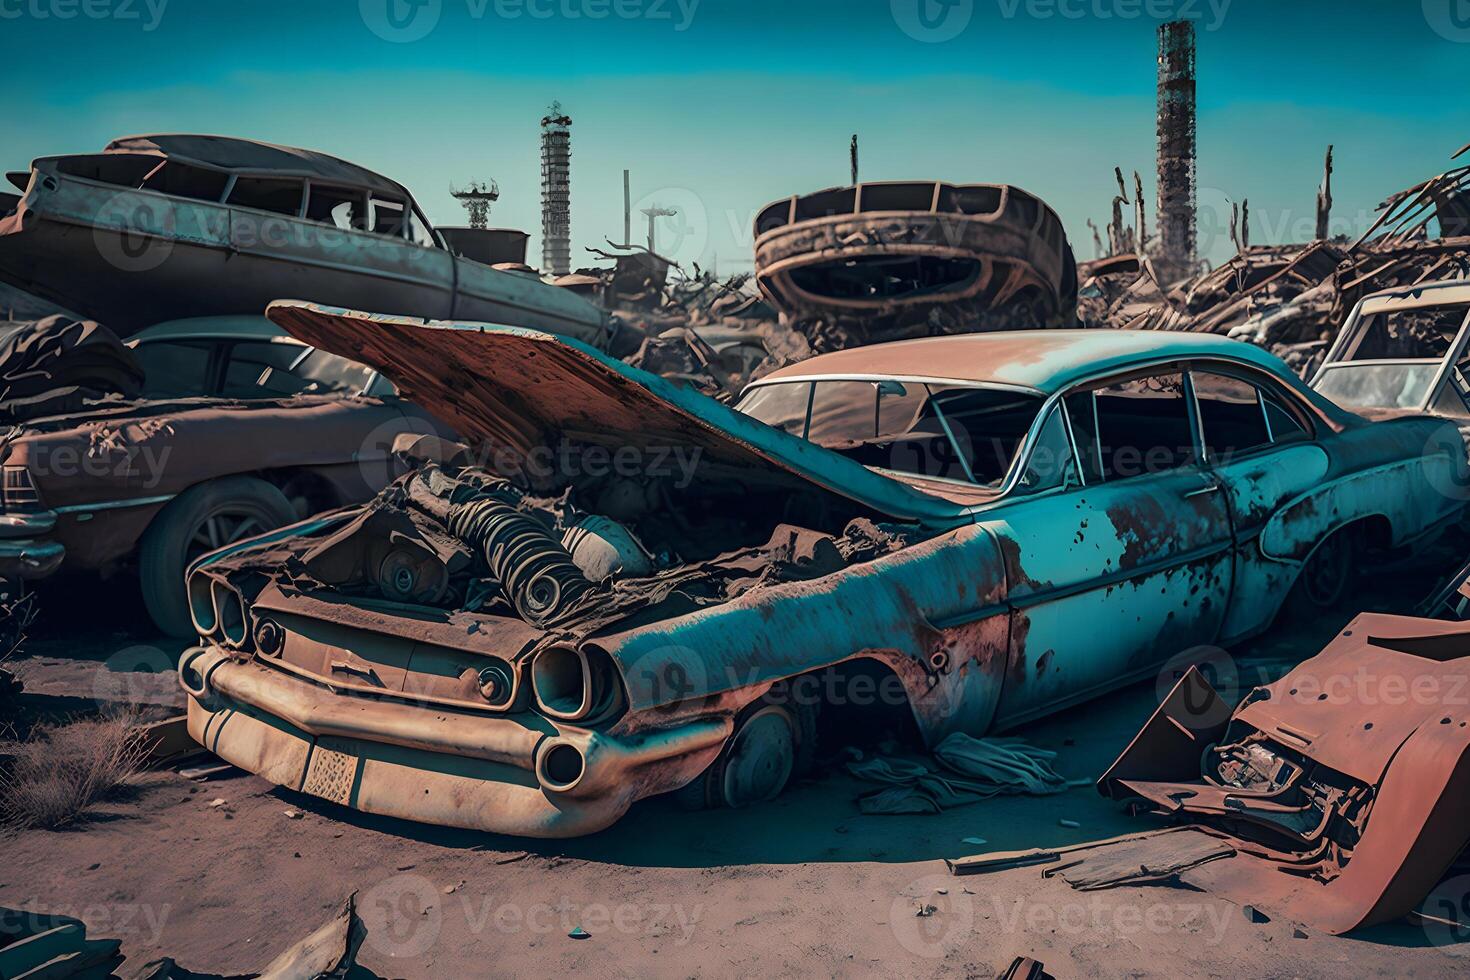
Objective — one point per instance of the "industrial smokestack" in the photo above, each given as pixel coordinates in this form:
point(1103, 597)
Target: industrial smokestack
point(1176, 125)
point(556, 191)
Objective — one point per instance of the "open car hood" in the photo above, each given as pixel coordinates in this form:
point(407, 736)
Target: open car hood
point(518, 389)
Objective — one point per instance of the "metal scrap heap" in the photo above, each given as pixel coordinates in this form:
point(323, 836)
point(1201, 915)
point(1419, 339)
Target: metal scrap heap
point(1290, 299)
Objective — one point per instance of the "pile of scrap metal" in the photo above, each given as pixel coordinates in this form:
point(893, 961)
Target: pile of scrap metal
point(714, 334)
point(34, 946)
point(1291, 298)
point(886, 261)
point(1337, 796)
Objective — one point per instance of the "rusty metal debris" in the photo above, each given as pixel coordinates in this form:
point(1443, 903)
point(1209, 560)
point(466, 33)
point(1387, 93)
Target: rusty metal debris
point(1342, 794)
point(38, 946)
point(1291, 299)
point(883, 261)
point(96, 475)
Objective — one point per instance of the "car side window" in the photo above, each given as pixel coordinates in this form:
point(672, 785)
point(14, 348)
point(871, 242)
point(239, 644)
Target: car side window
point(1132, 427)
point(1051, 463)
point(1286, 423)
point(418, 230)
point(1232, 415)
point(386, 217)
point(175, 369)
point(248, 364)
point(1452, 399)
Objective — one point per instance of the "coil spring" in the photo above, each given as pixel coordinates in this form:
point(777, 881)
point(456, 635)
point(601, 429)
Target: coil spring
point(532, 568)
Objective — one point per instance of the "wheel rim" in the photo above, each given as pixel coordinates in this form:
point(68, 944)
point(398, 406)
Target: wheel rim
point(1326, 575)
point(761, 758)
point(223, 526)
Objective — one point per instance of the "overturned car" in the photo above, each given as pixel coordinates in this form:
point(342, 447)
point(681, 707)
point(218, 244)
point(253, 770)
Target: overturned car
point(616, 593)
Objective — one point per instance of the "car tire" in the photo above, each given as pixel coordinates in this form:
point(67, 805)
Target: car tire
point(232, 508)
point(773, 742)
point(1326, 580)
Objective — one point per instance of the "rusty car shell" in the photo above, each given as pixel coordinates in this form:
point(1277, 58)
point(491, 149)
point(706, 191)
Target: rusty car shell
point(158, 228)
point(1359, 796)
point(80, 490)
point(889, 254)
point(976, 615)
point(1400, 351)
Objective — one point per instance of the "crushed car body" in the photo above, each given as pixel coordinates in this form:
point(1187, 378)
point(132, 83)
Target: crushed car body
point(230, 431)
point(890, 260)
point(1343, 789)
point(1400, 351)
point(170, 226)
point(512, 639)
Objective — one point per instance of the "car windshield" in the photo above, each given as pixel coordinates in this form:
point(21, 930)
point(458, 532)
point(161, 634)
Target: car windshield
point(949, 432)
point(1397, 384)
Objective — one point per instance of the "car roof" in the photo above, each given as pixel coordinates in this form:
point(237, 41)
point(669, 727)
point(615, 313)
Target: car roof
point(1448, 292)
point(245, 327)
point(1045, 361)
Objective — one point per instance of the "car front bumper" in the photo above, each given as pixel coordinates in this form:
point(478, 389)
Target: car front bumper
point(24, 554)
point(518, 774)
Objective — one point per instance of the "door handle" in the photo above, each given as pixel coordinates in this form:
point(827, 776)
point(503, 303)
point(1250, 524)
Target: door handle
point(1202, 491)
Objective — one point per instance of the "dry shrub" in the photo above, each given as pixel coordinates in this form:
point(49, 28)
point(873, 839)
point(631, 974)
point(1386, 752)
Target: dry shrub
point(61, 770)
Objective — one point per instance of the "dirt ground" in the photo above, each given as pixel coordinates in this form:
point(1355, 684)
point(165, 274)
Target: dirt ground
point(804, 885)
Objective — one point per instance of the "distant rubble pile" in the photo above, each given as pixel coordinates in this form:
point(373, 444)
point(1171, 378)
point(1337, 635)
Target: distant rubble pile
point(1291, 299)
point(714, 333)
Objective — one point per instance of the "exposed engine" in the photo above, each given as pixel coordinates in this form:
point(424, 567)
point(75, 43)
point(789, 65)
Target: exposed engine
point(1291, 803)
point(458, 538)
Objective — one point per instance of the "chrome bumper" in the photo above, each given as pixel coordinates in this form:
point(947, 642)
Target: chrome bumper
point(518, 774)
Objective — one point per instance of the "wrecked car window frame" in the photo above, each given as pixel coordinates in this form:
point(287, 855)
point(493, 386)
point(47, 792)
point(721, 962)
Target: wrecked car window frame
point(1264, 384)
point(219, 345)
point(998, 488)
point(71, 164)
point(1449, 296)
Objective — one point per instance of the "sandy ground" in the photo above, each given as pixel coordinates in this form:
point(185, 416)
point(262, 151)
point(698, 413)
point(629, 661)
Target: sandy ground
point(805, 885)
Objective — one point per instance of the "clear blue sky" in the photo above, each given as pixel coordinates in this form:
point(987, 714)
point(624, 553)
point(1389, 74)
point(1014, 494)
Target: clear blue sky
point(721, 106)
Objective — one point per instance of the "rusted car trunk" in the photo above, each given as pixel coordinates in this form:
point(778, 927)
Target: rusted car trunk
point(1344, 786)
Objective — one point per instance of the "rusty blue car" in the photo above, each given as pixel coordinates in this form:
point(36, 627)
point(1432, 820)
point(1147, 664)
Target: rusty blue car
point(618, 587)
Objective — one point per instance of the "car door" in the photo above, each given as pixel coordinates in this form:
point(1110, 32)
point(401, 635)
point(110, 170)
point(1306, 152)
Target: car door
point(1258, 441)
point(1123, 565)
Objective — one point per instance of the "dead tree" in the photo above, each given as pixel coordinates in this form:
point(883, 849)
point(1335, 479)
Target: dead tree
point(1324, 198)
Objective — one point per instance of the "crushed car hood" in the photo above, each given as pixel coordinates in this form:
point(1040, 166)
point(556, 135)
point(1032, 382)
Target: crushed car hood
point(520, 389)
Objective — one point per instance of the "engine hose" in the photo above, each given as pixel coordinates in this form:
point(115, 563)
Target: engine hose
point(531, 566)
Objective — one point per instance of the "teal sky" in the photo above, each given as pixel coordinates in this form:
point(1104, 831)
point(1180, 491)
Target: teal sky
point(721, 106)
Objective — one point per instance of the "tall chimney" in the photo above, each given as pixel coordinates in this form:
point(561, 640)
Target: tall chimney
point(1176, 124)
point(556, 191)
